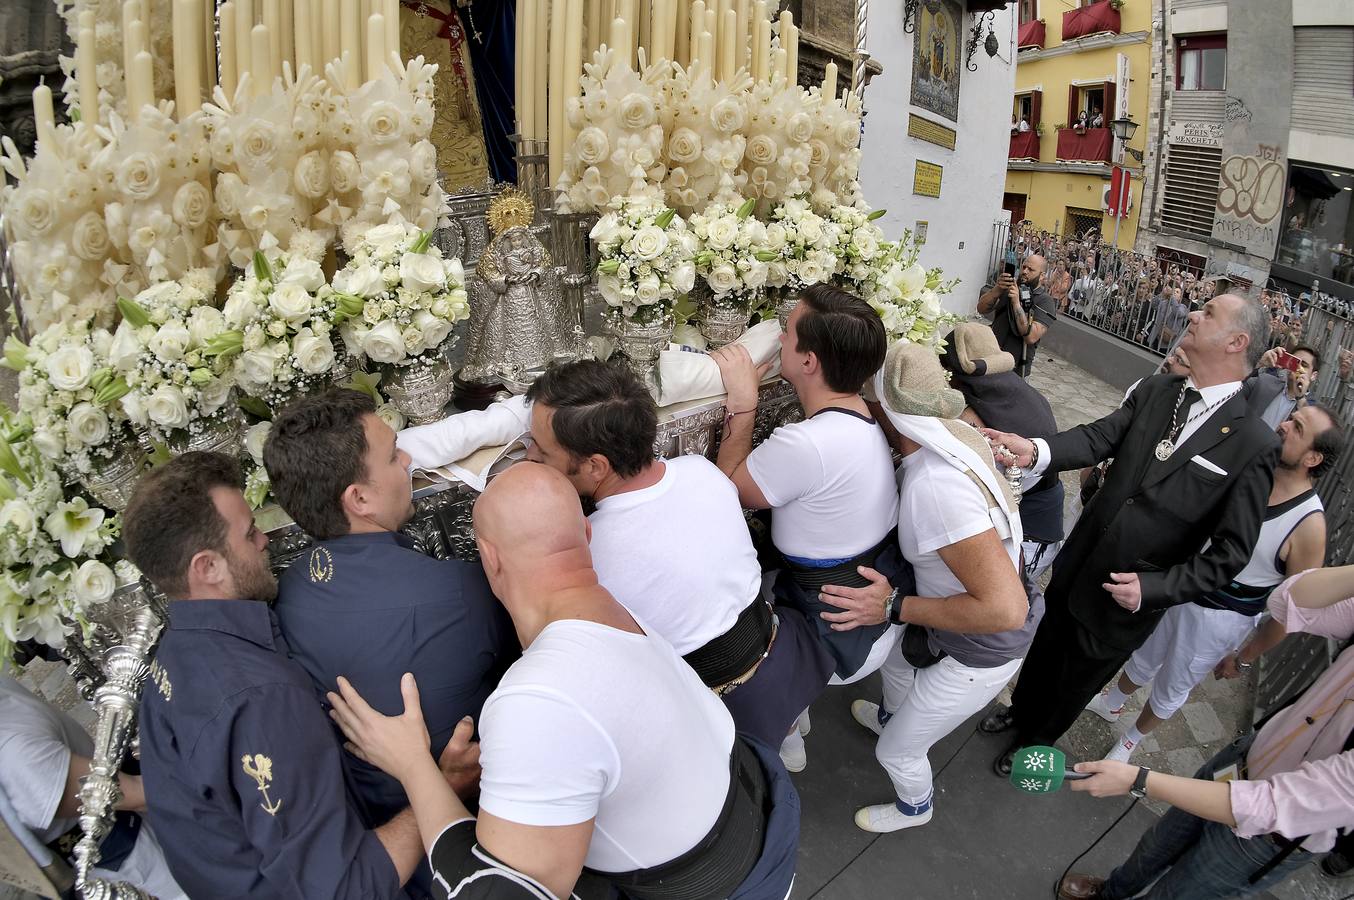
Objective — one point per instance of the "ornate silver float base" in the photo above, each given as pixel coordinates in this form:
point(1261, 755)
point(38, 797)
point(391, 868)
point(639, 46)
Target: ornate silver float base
point(642, 343)
point(722, 324)
point(786, 305)
point(222, 433)
point(112, 479)
point(420, 391)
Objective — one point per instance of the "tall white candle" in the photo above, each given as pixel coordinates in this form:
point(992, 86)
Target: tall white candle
point(728, 57)
point(302, 33)
point(596, 26)
point(830, 81)
point(778, 64)
point(792, 55)
point(244, 27)
point(719, 32)
point(86, 77)
point(707, 53)
point(681, 36)
point(349, 45)
point(44, 115)
point(129, 16)
point(144, 81)
point(230, 74)
point(644, 35)
point(206, 18)
point(526, 75)
point(376, 43)
point(555, 120)
point(392, 14)
point(762, 53)
point(541, 68)
point(742, 40)
point(286, 24)
point(620, 37)
point(272, 18)
point(697, 26)
point(331, 19)
point(187, 67)
point(261, 50)
point(573, 64)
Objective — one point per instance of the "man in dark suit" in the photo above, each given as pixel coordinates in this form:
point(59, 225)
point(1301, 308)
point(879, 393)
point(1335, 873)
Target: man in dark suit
point(1177, 517)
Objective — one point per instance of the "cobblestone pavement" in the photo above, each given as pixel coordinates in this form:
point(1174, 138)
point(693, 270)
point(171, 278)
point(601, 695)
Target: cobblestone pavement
point(1217, 712)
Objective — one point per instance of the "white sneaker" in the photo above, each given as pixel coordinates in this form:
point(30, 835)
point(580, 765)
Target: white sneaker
point(1100, 706)
point(803, 723)
point(1123, 748)
point(888, 817)
point(867, 714)
point(793, 753)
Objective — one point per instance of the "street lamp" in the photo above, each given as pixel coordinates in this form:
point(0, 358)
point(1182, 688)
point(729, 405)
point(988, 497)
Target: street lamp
point(1123, 131)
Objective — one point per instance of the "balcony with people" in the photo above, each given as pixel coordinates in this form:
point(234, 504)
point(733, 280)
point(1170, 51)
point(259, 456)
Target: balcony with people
point(1086, 138)
point(1026, 126)
point(1097, 18)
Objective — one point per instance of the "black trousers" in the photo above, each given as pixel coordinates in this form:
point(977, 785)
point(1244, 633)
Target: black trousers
point(1065, 668)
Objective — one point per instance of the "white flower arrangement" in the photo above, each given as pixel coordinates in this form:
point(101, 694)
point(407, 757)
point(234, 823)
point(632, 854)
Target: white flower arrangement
point(278, 328)
point(108, 43)
point(834, 151)
point(647, 258)
point(406, 296)
point(907, 296)
point(383, 167)
point(859, 241)
point(805, 244)
point(69, 393)
point(731, 252)
point(706, 142)
point(272, 155)
point(53, 546)
point(167, 349)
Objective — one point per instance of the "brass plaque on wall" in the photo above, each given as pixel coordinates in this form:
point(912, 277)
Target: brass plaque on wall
point(926, 179)
point(931, 132)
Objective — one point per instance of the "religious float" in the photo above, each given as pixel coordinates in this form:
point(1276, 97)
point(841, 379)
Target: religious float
point(249, 203)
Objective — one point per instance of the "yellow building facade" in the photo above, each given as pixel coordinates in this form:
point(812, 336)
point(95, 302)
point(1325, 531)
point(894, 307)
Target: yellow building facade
point(1079, 67)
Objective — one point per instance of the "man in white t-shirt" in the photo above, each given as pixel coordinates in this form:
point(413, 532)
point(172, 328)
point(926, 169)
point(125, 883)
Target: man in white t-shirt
point(43, 755)
point(600, 748)
point(669, 541)
point(829, 479)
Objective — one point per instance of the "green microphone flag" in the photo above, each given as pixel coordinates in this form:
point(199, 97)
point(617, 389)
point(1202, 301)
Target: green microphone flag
point(1040, 770)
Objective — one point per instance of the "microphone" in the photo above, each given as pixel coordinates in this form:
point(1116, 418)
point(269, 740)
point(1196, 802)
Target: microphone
point(1041, 770)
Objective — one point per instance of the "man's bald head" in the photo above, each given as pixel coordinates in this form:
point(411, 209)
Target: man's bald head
point(528, 513)
point(1032, 269)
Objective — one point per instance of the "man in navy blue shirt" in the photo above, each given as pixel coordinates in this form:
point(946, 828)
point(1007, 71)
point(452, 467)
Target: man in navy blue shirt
point(363, 602)
point(242, 772)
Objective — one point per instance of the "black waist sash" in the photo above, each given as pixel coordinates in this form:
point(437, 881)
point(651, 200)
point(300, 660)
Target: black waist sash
point(737, 650)
point(1238, 598)
point(722, 859)
point(798, 586)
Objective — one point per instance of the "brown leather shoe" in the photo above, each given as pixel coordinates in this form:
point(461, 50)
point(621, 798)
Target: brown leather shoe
point(1078, 886)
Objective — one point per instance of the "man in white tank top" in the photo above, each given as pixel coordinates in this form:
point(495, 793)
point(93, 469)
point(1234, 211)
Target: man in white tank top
point(1192, 638)
point(829, 479)
point(600, 747)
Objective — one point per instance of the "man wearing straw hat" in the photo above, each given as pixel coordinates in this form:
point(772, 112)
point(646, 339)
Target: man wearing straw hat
point(970, 620)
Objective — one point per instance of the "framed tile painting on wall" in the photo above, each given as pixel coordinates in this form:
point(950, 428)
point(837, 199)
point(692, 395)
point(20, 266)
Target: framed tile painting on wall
point(937, 48)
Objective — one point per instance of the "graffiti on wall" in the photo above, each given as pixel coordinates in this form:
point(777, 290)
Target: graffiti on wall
point(1250, 198)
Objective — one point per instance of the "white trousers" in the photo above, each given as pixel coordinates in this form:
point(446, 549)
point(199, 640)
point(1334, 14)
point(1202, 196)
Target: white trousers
point(926, 705)
point(1187, 643)
point(145, 867)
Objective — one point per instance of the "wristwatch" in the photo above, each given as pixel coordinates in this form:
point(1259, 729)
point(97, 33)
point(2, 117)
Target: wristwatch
point(1139, 788)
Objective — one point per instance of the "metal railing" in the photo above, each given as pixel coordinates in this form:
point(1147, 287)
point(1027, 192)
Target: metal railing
point(1126, 294)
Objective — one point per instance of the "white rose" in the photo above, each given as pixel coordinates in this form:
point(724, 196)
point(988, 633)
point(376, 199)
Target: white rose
point(391, 416)
point(649, 242)
point(228, 191)
point(254, 438)
point(455, 272)
point(422, 272)
point(775, 236)
point(36, 211)
point(727, 115)
point(847, 133)
point(314, 352)
point(684, 146)
point(762, 150)
point(608, 230)
point(138, 176)
point(636, 112)
point(49, 444)
point(930, 304)
point(810, 229)
point(344, 173)
point(171, 341)
point(755, 276)
point(434, 329)
point(291, 302)
point(799, 128)
point(257, 145)
point(722, 278)
point(134, 405)
point(865, 242)
point(89, 239)
point(255, 367)
point(776, 274)
point(361, 281)
point(384, 238)
point(240, 307)
point(213, 395)
point(18, 516)
point(609, 286)
point(125, 349)
point(167, 407)
point(192, 204)
point(810, 272)
point(423, 162)
point(384, 343)
point(69, 368)
point(381, 122)
point(648, 290)
point(88, 424)
point(94, 582)
point(683, 278)
point(818, 153)
point(306, 273)
point(592, 146)
point(205, 323)
point(721, 233)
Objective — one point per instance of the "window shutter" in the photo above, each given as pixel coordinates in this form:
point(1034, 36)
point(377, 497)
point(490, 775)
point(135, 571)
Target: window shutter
point(1036, 106)
point(1108, 109)
point(1072, 105)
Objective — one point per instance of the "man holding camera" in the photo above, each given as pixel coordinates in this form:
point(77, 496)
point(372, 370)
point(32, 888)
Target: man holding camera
point(1021, 310)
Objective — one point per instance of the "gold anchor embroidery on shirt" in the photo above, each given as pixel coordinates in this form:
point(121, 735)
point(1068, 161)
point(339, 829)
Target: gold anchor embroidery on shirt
point(260, 768)
point(161, 679)
point(320, 566)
